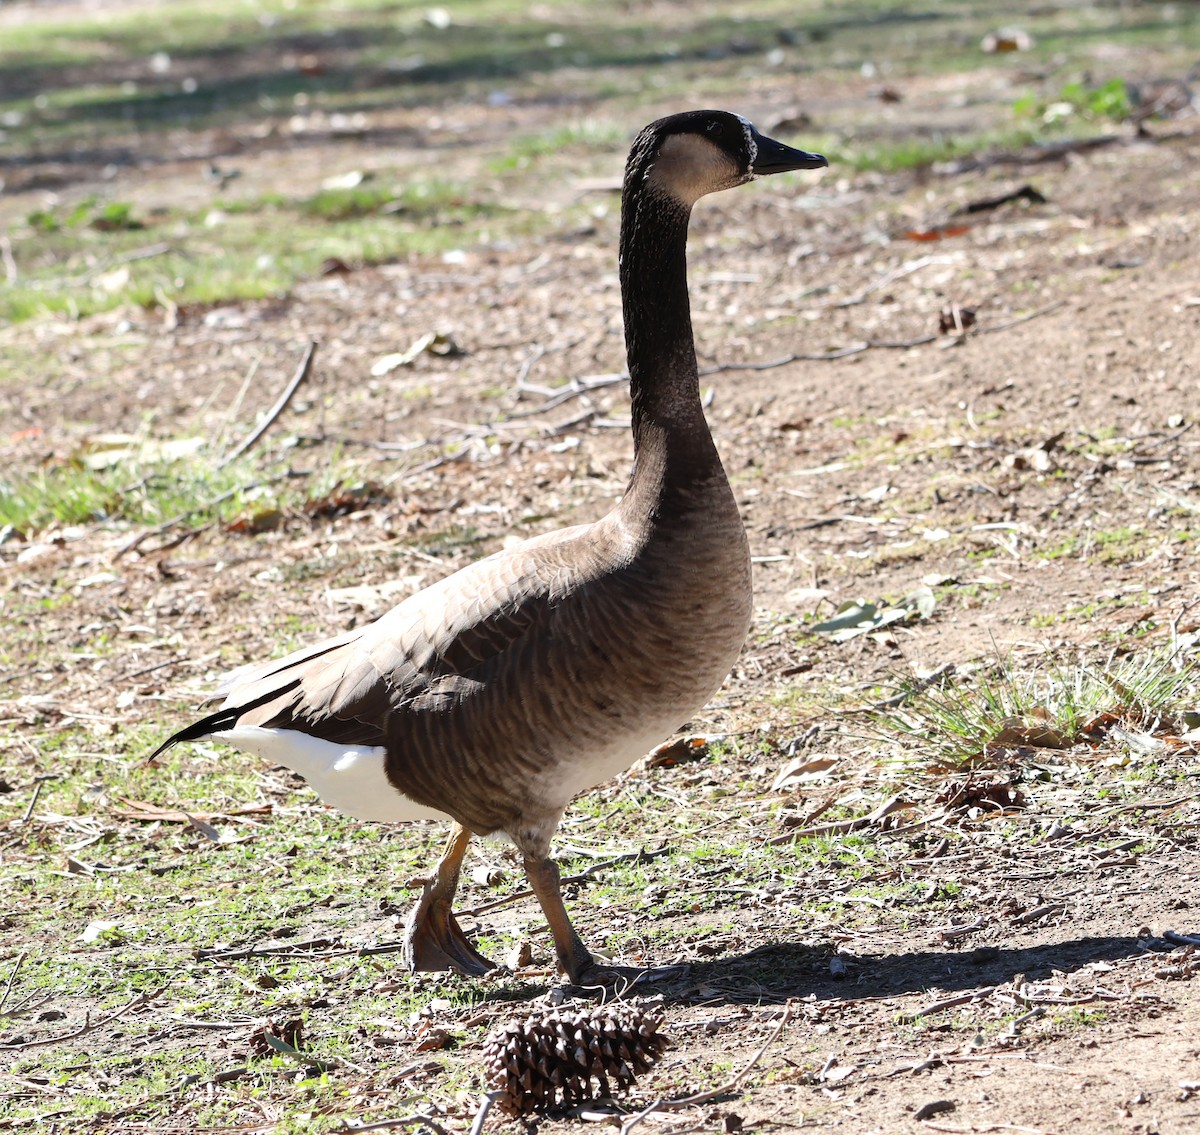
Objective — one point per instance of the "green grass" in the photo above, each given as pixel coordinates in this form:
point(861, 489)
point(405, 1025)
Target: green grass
point(74, 494)
point(96, 256)
point(579, 138)
point(230, 68)
point(966, 718)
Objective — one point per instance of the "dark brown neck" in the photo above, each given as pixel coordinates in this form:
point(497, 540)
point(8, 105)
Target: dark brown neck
point(670, 436)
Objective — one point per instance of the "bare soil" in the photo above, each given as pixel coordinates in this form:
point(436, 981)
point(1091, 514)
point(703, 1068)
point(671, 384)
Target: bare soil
point(1042, 465)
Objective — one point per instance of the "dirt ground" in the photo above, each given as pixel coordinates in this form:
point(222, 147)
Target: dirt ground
point(1040, 467)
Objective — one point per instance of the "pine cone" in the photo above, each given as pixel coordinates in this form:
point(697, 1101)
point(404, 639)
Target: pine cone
point(554, 1058)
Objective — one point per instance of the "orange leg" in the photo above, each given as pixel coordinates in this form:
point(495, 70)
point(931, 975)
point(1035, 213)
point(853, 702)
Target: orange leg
point(433, 940)
point(573, 956)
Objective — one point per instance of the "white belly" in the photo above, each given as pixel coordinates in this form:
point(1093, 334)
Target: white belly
point(346, 777)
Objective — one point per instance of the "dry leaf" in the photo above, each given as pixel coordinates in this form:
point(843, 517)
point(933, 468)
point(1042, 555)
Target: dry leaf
point(1018, 731)
point(801, 769)
point(678, 752)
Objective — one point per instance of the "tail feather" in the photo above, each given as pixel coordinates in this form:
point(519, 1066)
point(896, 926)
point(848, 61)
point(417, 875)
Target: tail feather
point(224, 718)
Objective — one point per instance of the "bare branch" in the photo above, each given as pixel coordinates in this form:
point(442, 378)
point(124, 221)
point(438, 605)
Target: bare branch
point(281, 404)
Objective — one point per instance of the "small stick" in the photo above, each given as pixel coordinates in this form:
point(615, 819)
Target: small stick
point(12, 976)
point(88, 1025)
point(713, 1093)
point(1025, 1018)
point(950, 933)
point(1022, 318)
point(485, 1105)
point(1039, 912)
point(841, 827)
point(281, 404)
point(260, 951)
point(37, 791)
point(238, 399)
point(527, 365)
point(137, 541)
point(949, 1003)
point(404, 1121)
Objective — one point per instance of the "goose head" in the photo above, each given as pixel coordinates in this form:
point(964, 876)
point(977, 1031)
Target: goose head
point(684, 156)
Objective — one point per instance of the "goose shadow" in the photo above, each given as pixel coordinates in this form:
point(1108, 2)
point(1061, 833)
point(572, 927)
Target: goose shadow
point(782, 970)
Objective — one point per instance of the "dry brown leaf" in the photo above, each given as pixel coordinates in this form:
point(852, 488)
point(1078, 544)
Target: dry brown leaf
point(1018, 731)
point(678, 752)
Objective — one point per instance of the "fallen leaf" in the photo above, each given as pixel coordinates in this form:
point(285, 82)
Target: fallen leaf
point(678, 752)
point(857, 616)
point(264, 520)
point(801, 769)
point(805, 598)
point(96, 930)
point(1018, 731)
point(432, 341)
point(939, 233)
point(1006, 40)
point(841, 1072)
point(346, 499)
point(519, 956)
point(349, 180)
point(433, 1040)
point(369, 596)
point(278, 1036)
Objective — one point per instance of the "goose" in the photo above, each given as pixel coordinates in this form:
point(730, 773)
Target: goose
point(496, 694)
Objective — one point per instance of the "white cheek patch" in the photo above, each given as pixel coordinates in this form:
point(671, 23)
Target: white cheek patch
point(751, 144)
point(688, 166)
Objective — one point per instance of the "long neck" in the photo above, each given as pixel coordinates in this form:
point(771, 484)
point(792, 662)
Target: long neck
point(670, 436)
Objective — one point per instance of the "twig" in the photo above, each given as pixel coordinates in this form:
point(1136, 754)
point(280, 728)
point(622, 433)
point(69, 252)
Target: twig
point(576, 388)
point(993, 1127)
point(281, 403)
point(1147, 805)
point(712, 1093)
point(37, 791)
point(948, 1003)
point(827, 356)
point(12, 976)
point(260, 951)
point(909, 692)
point(840, 827)
point(236, 405)
point(147, 253)
point(986, 204)
point(485, 1105)
point(527, 365)
point(404, 1121)
point(1039, 912)
point(88, 1025)
point(1168, 438)
point(135, 542)
point(1021, 318)
point(951, 933)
